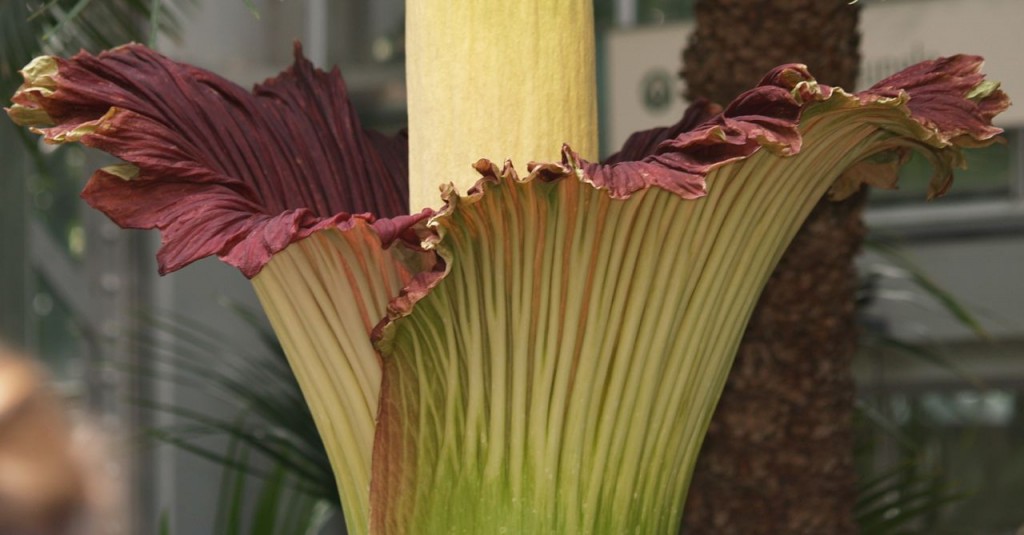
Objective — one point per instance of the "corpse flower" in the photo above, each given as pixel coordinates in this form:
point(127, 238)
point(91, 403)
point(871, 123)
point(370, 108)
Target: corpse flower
point(544, 352)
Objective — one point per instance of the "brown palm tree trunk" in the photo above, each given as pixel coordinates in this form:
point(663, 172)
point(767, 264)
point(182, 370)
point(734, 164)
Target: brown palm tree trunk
point(778, 458)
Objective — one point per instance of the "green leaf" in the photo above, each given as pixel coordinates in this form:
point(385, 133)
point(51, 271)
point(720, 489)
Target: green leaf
point(279, 427)
point(265, 518)
point(930, 356)
point(154, 22)
point(65, 18)
point(232, 490)
point(257, 321)
point(165, 523)
point(948, 301)
point(900, 497)
point(252, 8)
point(252, 438)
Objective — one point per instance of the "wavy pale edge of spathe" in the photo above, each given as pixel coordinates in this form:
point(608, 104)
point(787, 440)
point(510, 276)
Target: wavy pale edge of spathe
point(708, 137)
point(461, 444)
point(705, 138)
point(217, 169)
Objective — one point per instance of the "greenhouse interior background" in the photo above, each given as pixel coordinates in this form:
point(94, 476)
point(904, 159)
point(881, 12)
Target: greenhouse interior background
point(77, 290)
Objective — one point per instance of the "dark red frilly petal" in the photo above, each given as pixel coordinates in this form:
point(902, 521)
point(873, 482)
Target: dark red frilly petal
point(943, 96)
point(220, 171)
point(678, 158)
point(948, 97)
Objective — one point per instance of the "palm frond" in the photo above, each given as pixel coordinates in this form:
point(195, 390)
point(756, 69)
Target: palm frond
point(902, 500)
point(950, 303)
point(278, 509)
point(19, 42)
point(31, 28)
point(259, 385)
point(926, 354)
point(98, 24)
point(905, 498)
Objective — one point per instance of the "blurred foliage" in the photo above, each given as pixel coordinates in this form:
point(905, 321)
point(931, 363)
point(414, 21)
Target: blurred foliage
point(273, 449)
point(29, 28)
point(907, 496)
point(910, 492)
point(44, 180)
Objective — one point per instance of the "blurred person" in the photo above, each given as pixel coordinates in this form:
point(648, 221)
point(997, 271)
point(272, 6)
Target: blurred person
point(51, 475)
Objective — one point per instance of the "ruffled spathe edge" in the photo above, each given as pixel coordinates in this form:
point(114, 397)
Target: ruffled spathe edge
point(213, 190)
point(677, 159)
point(766, 117)
point(217, 169)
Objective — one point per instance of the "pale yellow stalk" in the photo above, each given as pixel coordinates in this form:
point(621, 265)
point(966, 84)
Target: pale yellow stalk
point(496, 79)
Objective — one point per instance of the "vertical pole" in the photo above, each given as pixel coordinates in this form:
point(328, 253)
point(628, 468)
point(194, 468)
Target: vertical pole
point(316, 33)
point(499, 80)
point(14, 280)
point(625, 13)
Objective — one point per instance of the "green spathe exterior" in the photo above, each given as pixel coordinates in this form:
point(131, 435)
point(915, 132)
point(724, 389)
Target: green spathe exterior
point(561, 375)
